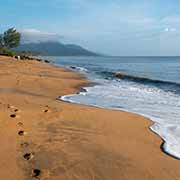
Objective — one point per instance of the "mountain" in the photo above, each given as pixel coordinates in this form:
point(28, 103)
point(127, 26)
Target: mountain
point(55, 49)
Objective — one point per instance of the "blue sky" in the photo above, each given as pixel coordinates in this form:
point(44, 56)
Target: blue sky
point(115, 27)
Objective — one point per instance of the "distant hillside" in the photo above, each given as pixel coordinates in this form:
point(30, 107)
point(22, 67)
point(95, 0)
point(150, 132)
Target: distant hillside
point(55, 49)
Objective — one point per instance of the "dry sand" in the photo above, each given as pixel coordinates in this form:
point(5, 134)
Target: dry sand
point(43, 138)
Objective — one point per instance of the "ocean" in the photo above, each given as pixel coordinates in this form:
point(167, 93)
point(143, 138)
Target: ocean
point(150, 87)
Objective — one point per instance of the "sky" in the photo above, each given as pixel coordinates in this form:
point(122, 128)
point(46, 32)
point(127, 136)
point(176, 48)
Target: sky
point(112, 27)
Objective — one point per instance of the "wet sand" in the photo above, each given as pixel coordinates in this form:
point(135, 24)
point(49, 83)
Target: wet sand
point(44, 138)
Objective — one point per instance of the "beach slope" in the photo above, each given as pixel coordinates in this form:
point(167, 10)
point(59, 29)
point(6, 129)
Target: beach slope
point(44, 138)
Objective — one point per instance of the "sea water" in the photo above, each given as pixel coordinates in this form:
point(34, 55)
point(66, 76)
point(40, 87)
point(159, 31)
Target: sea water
point(153, 90)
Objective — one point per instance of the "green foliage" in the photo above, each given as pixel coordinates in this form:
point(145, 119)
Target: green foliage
point(1, 41)
point(10, 38)
point(6, 52)
point(26, 53)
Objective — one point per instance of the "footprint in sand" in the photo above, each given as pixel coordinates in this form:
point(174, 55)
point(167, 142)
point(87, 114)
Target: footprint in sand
point(13, 115)
point(15, 110)
point(10, 106)
point(46, 109)
point(24, 144)
point(22, 133)
point(36, 173)
point(28, 156)
point(20, 124)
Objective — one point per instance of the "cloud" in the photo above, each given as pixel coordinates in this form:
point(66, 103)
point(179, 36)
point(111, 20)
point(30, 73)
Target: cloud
point(170, 29)
point(173, 19)
point(135, 27)
point(35, 35)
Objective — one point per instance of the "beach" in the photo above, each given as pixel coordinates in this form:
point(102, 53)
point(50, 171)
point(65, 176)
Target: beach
point(45, 138)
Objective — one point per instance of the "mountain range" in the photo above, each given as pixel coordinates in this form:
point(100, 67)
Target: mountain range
point(52, 48)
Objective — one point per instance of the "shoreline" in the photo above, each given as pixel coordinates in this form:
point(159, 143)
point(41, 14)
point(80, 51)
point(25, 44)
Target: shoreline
point(150, 118)
point(71, 141)
point(81, 88)
point(125, 111)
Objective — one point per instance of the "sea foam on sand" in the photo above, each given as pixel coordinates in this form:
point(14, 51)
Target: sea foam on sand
point(160, 106)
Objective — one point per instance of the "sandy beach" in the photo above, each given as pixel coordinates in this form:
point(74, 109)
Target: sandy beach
point(44, 138)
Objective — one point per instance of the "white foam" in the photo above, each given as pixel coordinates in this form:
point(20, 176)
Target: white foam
point(162, 107)
point(79, 69)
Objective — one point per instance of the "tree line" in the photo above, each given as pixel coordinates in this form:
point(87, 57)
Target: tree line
point(10, 38)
